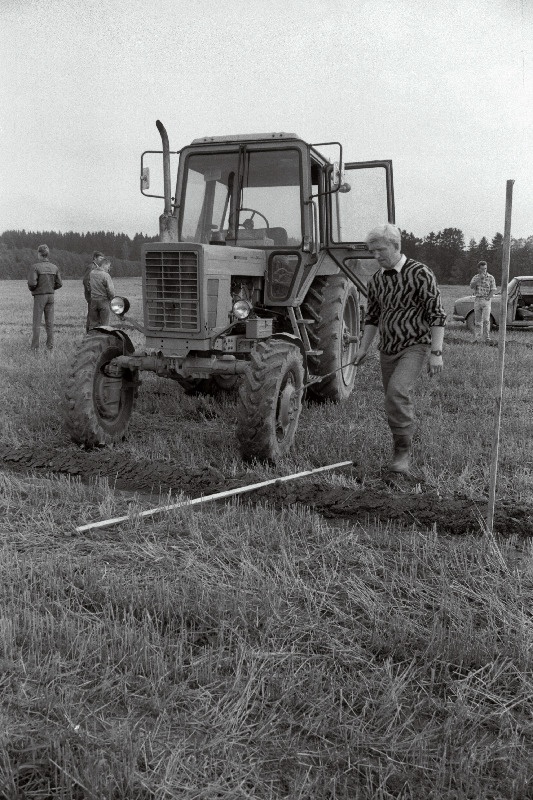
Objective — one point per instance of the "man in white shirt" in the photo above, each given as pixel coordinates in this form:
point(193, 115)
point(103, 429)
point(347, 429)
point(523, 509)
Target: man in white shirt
point(483, 286)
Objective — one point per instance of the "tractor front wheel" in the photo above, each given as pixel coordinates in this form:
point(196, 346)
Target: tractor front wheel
point(270, 401)
point(99, 405)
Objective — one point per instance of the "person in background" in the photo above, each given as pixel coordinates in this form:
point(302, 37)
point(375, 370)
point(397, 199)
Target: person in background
point(405, 306)
point(97, 259)
point(102, 292)
point(483, 286)
point(43, 280)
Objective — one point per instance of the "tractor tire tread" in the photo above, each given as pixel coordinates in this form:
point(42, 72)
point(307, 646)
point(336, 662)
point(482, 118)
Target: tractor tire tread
point(256, 430)
point(82, 420)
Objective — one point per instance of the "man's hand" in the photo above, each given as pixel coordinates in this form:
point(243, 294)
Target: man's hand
point(360, 357)
point(435, 365)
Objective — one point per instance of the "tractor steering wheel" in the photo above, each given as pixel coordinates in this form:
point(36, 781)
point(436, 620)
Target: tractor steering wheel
point(249, 223)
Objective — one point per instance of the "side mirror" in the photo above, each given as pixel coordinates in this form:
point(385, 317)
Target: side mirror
point(337, 179)
point(145, 179)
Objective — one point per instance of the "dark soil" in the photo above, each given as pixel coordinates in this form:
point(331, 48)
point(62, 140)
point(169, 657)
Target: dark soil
point(400, 501)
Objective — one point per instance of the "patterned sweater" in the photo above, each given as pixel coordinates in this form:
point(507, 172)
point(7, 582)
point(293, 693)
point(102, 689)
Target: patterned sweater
point(404, 306)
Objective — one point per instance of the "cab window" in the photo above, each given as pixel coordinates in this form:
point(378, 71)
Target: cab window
point(251, 198)
point(366, 204)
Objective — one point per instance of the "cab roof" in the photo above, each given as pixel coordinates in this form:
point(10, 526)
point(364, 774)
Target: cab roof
point(244, 137)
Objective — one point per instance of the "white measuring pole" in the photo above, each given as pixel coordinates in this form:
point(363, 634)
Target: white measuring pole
point(218, 496)
point(501, 356)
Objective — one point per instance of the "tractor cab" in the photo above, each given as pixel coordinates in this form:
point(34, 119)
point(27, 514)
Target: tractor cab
point(274, 192)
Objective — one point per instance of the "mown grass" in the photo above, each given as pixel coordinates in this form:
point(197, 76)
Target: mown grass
point(239, 653)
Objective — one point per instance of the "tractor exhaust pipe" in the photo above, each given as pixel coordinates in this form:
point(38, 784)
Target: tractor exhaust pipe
point(166, 166)
point(168, 223)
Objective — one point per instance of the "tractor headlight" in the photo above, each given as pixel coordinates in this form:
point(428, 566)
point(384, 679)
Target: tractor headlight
point(120, 306)
point(242, 309)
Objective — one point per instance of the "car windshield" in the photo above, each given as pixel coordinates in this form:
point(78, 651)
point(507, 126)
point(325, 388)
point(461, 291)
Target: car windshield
point(249, 198)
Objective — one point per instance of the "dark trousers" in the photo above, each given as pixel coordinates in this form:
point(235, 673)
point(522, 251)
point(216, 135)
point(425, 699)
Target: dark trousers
point(98, 312)
point(43, 303)
point(399, 373)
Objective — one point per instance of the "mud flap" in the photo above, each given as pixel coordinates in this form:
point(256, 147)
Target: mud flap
point(120, 334)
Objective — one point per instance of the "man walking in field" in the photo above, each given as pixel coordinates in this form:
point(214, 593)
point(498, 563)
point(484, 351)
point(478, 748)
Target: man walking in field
point(98, 257)
point(405, 306)
point(102, 292)
point(43, 280)
point(483, 286)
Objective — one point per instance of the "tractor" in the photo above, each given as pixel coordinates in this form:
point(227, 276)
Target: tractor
point(257, 283)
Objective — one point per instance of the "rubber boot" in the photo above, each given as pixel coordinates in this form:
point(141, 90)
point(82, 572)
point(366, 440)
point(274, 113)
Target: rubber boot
point(402, 451)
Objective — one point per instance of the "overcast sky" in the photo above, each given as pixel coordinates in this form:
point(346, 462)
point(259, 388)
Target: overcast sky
point(445, 90)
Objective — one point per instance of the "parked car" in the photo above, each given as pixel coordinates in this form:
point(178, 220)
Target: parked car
point(519, 306)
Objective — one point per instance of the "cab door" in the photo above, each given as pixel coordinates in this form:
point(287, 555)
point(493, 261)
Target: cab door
point(363, 200)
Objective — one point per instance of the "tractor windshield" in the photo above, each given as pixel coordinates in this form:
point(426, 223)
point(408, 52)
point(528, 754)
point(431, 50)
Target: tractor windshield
point(247, 197)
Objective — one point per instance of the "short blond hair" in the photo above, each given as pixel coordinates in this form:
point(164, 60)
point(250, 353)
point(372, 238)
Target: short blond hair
point(43, 250)
point(390, 233)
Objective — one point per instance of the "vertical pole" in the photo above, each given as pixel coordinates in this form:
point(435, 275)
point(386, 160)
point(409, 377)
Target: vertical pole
point(501, 355)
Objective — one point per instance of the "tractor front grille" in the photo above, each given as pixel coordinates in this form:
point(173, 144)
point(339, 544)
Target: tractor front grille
point(172, 292)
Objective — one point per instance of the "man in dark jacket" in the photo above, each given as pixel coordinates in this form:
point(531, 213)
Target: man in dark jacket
point(102, 292)
point(43, 280)
point(98, 257)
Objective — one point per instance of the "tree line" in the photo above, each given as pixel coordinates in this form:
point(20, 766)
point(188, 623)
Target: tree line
point(453, 262)
point(71, 251)
point(115, 245)
point(445, 252)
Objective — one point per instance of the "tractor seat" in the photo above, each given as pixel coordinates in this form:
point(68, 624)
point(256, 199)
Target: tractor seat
point(279, 235)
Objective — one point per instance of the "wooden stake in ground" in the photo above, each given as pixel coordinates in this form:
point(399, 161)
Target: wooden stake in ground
point(218, 496)
point(501, 355)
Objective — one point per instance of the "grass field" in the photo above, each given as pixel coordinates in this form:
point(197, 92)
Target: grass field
point(249, 652)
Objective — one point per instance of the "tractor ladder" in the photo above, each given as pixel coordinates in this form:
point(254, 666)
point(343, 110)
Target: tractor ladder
point(299, 325)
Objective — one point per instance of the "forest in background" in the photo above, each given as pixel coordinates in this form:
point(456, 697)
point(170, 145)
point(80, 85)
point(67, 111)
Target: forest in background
point(452, 261)
point(455, 262)
point(71, 251)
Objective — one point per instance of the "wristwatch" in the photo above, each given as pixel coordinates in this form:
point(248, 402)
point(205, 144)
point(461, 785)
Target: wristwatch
point(436, 352)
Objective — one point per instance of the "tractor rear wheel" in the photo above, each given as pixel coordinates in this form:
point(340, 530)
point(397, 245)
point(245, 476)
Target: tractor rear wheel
point(99, 406)
point(270, 400)
point(332, 303)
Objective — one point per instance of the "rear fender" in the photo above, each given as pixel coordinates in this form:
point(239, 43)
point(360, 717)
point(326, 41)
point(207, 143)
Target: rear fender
point(122, 335)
